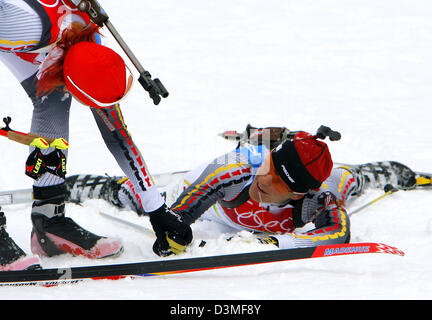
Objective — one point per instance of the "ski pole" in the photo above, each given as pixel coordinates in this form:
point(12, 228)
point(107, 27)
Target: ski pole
point(136, 226)
point(97, 14)
point(31, 139)
point(388, 189)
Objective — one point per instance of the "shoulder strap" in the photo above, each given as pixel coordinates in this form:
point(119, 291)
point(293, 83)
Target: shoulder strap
point(242, 197)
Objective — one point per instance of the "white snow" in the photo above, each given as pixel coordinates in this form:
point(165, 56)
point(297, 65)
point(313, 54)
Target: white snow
point(359, 66)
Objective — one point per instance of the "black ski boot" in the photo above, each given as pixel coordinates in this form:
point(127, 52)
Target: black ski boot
point(116, 190)
point(85, 186)
point(54, 234)
point(12, 257)
point(379, 174)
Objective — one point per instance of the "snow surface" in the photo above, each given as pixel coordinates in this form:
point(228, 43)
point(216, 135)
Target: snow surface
point(359, 66)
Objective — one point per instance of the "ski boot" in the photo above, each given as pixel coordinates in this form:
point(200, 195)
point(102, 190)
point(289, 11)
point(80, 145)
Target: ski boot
point(118, 191)
point(54, 234)
point(85, 186)
point(12, 257)
point(380, 174)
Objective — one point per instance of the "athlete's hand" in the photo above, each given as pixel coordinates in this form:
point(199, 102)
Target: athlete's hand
point(329, 203)
point(173, 235)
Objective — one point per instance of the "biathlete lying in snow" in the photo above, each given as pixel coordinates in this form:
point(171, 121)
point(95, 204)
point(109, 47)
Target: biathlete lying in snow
point(272, 188)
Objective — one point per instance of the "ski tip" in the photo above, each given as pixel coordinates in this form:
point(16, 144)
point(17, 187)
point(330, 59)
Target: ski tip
point(383, 248)
point(423, 181)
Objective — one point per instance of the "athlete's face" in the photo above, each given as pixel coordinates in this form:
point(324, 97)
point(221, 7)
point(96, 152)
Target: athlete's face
point(268, 186)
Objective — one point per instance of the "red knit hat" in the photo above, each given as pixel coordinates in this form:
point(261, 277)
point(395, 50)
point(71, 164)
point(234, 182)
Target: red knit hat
point(304, 163)
point(96, 75)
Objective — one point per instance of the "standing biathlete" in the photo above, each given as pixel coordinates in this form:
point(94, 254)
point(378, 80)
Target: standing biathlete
point(54, 51)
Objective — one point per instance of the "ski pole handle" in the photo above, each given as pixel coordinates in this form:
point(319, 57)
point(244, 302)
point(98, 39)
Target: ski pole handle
point(31, 139)
point(24, 138)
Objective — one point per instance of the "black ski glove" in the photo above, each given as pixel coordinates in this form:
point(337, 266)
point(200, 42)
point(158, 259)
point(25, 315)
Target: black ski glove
point(57, 160)
point(35, 165)
point(173, 235)
point(309, 208)
point(328, 203)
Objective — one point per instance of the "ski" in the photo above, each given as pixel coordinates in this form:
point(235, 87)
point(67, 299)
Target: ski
point(9, 197)
point(21, 196)
point(54, 277)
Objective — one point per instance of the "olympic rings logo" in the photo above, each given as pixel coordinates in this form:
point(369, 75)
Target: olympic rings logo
point(252, 219)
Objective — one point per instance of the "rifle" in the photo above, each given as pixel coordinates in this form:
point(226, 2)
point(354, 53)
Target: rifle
point(97, 14)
